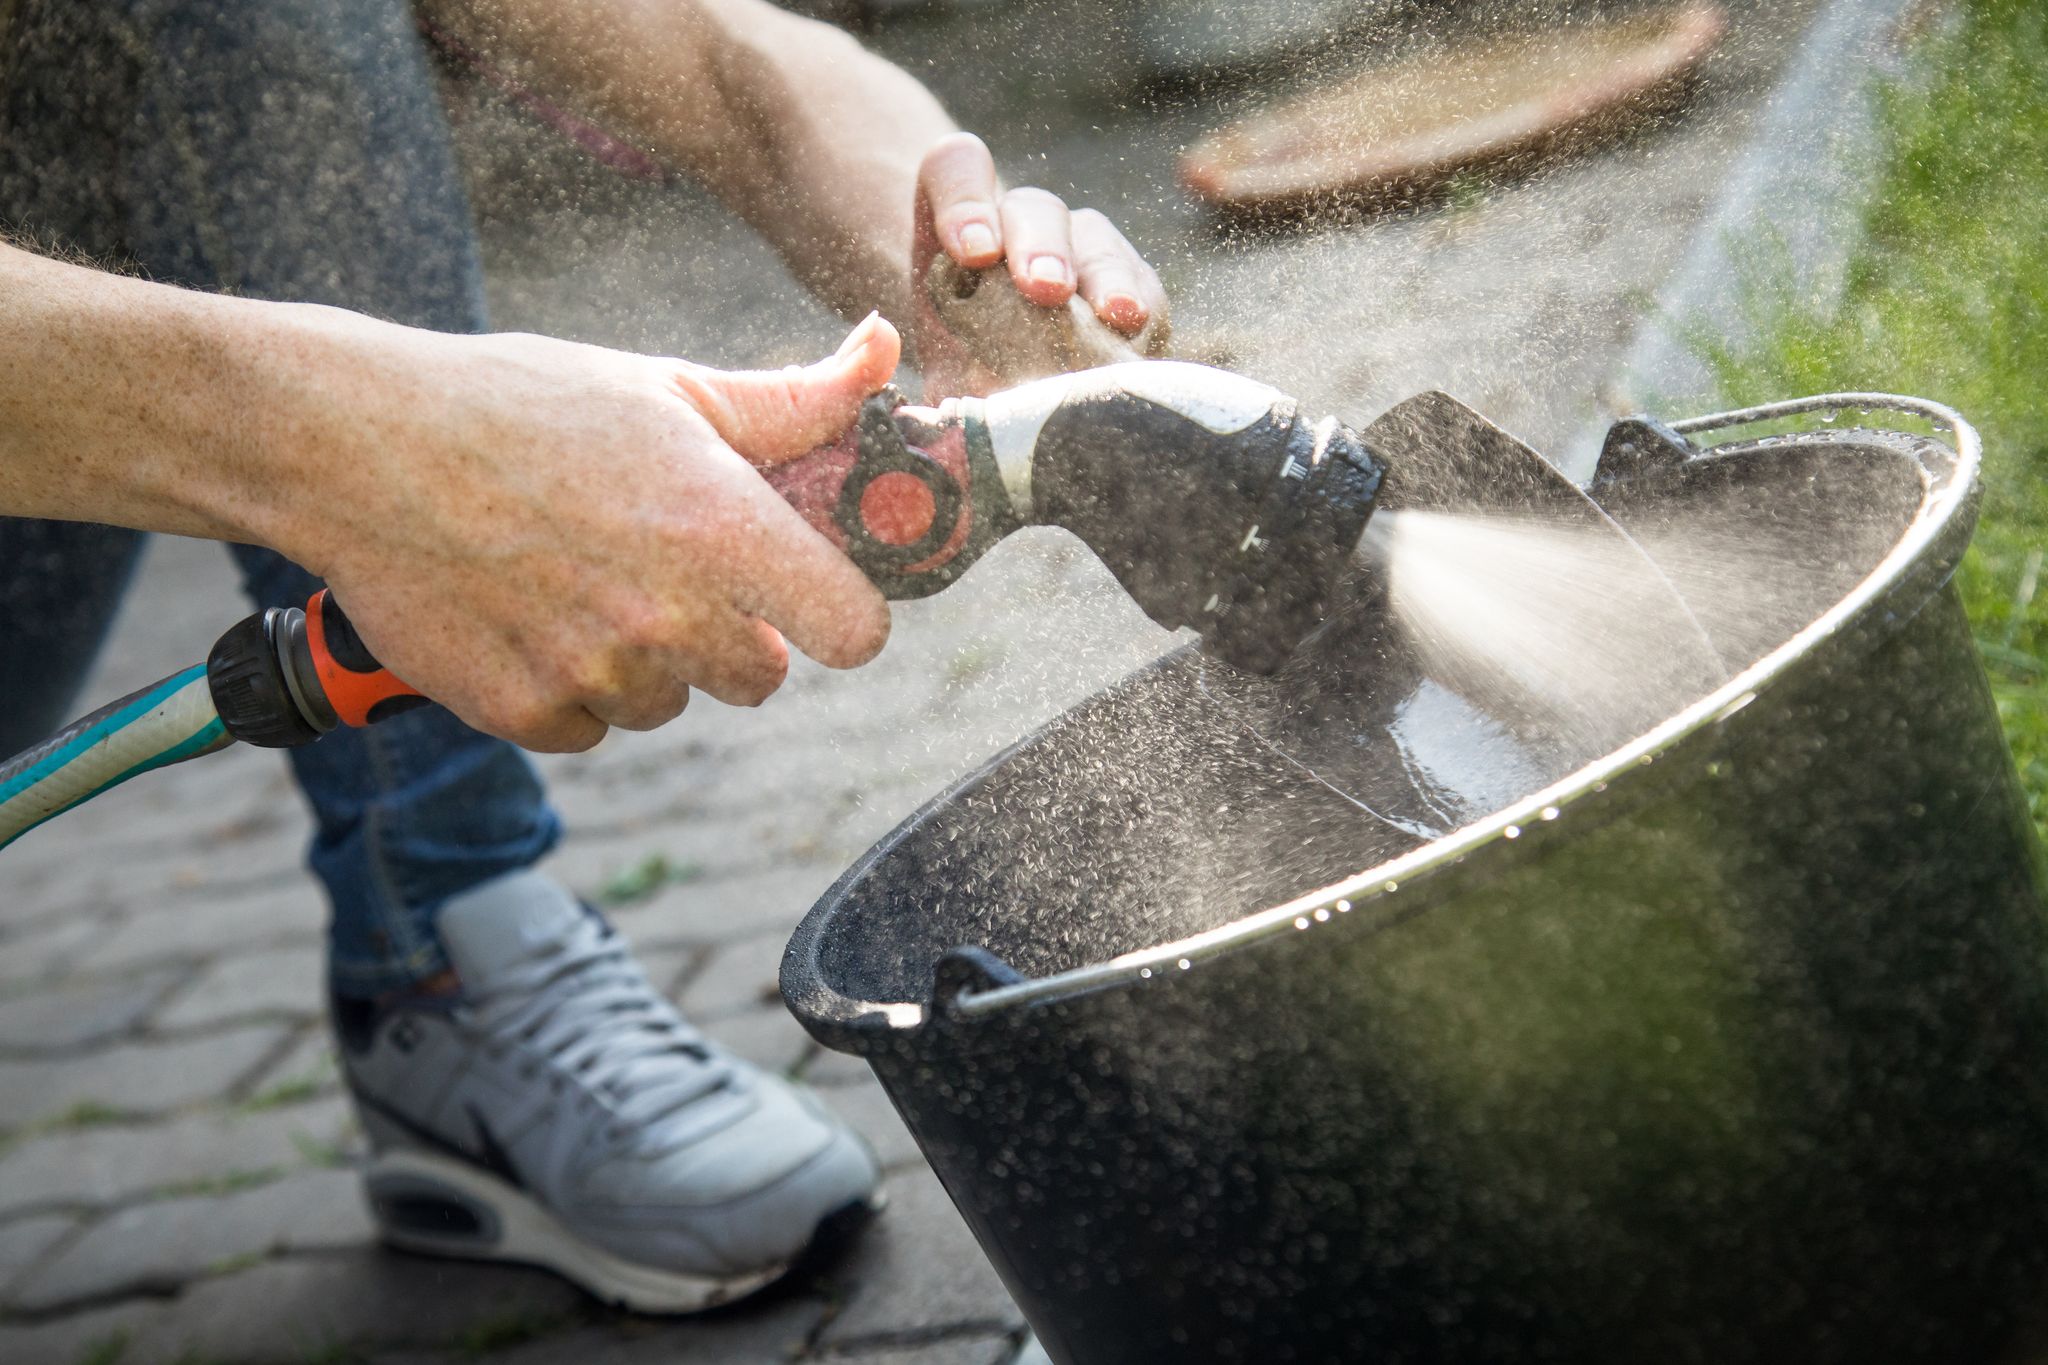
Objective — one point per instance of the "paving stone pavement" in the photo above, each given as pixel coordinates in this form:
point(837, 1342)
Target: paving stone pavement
point(175, 1156)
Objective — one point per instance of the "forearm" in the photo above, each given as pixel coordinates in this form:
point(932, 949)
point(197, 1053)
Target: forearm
point(543, 536)
point(846, 131)
point(137, 404)
point(810, 138)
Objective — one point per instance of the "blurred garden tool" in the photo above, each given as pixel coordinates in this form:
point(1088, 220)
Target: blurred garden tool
point(1398, 130)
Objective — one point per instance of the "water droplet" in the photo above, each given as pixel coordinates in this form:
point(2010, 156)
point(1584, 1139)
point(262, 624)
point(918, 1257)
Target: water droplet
point(1829, 414)
point(1145, 972)
point(1301, 921)
point(1550, 812)
point(1736, 705)
point(1185, 964)
point(1322, 914)
point(1513, 831)
point(1343, 907)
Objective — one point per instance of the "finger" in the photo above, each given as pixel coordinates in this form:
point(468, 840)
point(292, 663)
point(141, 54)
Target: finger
point(784, 572)
point(655, 652)
point(741, 659)
point(770, 416)
point(574, 733)
point(958, 178)
point(545, 729)
point(1038, 239)
point(651, 696)
point(1110, 273)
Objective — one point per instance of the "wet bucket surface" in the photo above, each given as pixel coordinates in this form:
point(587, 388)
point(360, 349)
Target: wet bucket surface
point(1729, 1045)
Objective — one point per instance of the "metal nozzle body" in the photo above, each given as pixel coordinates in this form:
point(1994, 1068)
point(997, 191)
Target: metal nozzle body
point(1214, 503)
point(1211, 499)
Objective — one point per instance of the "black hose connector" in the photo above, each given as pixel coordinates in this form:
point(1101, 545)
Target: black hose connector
point(1242, 534)
point(260, 700)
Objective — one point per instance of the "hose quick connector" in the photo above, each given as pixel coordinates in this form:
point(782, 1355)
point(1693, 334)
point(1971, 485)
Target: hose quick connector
point(258, 674)
point(285, 677)
point(1214, 503)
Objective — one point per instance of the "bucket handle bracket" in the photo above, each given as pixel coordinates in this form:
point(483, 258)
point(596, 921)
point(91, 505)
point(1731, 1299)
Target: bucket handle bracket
point(968, 969)
point(1637, 446)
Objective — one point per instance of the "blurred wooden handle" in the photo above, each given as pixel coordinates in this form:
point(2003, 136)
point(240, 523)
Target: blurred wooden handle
point(1015, 338)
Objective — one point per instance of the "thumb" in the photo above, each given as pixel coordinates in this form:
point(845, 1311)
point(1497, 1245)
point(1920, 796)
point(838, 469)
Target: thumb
point(770, 416)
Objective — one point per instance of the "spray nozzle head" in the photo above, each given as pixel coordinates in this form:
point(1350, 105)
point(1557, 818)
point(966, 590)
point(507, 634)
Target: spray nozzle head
point(1211, 499)
point(1290, 568)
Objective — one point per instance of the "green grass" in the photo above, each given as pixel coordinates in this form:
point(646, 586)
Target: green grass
point(323, 1152)
point(284, 1093)
point(235, 1264)
point(972, 662)
point(108, 1350)
point(1947, 298)
point(84, 1114)
point(293, 1090)
point(515, 1327)
point(644, 878)
point(214, 1186)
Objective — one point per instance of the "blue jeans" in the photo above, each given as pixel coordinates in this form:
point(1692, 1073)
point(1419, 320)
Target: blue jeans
point(281, 149)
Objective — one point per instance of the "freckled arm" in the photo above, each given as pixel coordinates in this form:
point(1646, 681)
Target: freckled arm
point(808, 136)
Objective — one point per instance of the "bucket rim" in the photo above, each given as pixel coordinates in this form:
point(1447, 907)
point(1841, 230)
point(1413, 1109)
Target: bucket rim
point(1935, 516)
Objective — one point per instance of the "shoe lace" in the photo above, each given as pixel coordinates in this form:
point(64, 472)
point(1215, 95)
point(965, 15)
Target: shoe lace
point(585, 1010)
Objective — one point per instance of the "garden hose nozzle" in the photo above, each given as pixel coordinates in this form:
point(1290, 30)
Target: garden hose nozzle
point(1214, 503)
point(280, 678)
point(285, 677)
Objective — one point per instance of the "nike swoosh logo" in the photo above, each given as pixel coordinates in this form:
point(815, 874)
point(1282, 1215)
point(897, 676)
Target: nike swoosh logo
point(490, 1154)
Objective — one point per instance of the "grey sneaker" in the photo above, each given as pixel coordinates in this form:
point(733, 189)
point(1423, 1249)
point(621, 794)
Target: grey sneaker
point(561, 1113)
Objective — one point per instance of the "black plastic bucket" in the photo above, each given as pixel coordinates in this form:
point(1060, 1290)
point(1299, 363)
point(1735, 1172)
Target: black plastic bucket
point(1730, 1044)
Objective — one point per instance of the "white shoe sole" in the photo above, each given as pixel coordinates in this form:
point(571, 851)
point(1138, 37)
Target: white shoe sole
point(429, 1203)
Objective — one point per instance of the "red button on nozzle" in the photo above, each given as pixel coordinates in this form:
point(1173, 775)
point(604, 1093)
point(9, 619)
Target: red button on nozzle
point(897, 508)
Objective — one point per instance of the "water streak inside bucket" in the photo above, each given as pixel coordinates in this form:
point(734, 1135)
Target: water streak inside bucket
point(1560, 627)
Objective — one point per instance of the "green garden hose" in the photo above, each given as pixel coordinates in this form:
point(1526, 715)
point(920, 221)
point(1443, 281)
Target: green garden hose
point(165, 723)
